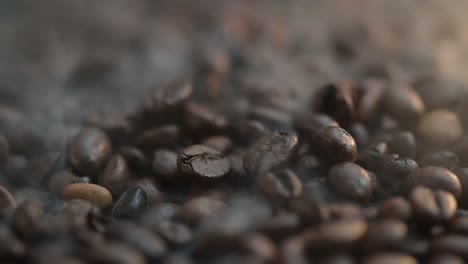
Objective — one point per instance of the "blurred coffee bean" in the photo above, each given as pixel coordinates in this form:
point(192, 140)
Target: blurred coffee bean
point(249, 131)
point(337, 101)
point(445, 259)
point(373, 158)
point(130, 204)
point(200, 120)
point(432, 206)
point(154, 194)
point(26, 218)
point(280, 185)
point(10, 246)
point(169, 97)
point(197, 209)
point(24, 140)
point(39, 168)
point(307, 124)
point(336, 259)
point(459, 225)
point(440, 128)
point(135, 158)
point(399, 169)
point(384, 234)
point(160, 213)
point(60, 180)
point(6, 199)
point(403, 144)
point(403, 103)
point(350, 181)
point(174, 233)
point(387, 258)
point(165, 165)
point(344, 210)
point(113, 123)
point(220, 143)
point(334, 145)
point(369, 104)
point(270, 117)
point(359, 133)
point(151, 245)
point(114, 253)
point(441, 158)
point(462, 175)
point(202, 163)
point(439, 178)
point(115, 175)
point(271, 151)
point(177, 260)
point(396, 208)
point(438, 93)
point(158, 137)
point(450, 244)
point(92, 193)
point(4, 149)
point(89, 151)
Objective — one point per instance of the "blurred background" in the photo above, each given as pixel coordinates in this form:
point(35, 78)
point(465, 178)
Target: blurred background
point(60, 60)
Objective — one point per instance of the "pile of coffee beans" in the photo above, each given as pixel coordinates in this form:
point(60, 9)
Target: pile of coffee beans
point(226, 166)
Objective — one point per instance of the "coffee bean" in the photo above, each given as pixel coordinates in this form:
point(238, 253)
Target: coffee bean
point(336, 259)
point(92, 193)
point(165, 165)
point(462, 175)
point(403, 144)
point(154, 194)
point(171, 96)
point(373, 158)
point(344, 210)
point(60, 180)
point(387, 258)
point(174, 233)
point(270, 117)
point(220, 143)
point(459, 225)
point(280, 185)
point(440, 128)
point(369, 104)
point(334, 145)
point(350, 181)
point(88, 151)
point(115, 175)
point(445, 259)
point(359, 133)
point(396, 207)
point(11, 247)
point(432, 206)
point(307, 124)
point(26, 218)
point(452, 95)
point(413, 246)
point(384, 234)
point(403, 103)
point(6, 199)
point(399, 169)
point(203, 163)
point(201, 120)
point(337, 101)
point(439, 178)
point(269, 152)
point(450, 244)
point(197, 209)
point(4, 149)
point(158, 137)
point(113, 123)
point(135, 158)
point(149, 244)
point(114, 252)
point(249, 131)
point(441, 158)
point(160, 213)
point(130, 204)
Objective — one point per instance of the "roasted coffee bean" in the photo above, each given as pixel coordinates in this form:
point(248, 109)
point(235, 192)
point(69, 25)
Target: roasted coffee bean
point(154, 194)
point(399, 169)
point(10, 246)
point(359, 133)
point(26, 218)
point(281, 225)
point(344, 210)
point(336, 259)
point(450, 244)
point(280, 185)
point(413, 246)
point(158, 137)
point(307, 124)
point(441, 158)
point(309, 211)
point(369, 104)
point(384, 234)
point(388, 258)
point(130, 204)
point(113, 123)
point(60, 180)
point(39, 168)
point(403, 144)
point(24, 140)
point(350, 181)
point(432, 206)
point(220, 143)
point(270, 117)
point(373, 158)
point(4, 149)
point(6, 199)
point(462, 175)
point(440, 128)
point(439, 178)
point(115, 175)
point(114, 252)
point(200, 162)
point(201, 120)
point(337, 101)
point(165, 165)
point(249, 131)
point(429, 87)
point(271, 151)
point(134, 157)
point(169, 97)
point(174, 233)
point(88, 151)
point(445, 259)
point(459, 225)
point(160, 213)
point(152, 246)
point(403, 103)
point(396, 207)
point(92, 193)
point(334, 145)
point(197, 209)
point(14, 170)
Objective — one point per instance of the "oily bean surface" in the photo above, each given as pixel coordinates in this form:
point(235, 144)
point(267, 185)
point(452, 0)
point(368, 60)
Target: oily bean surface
point(200, 162)
point(334, 145)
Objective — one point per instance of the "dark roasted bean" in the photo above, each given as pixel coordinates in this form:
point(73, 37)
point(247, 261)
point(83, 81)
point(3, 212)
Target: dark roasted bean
point(88, 151)
point(462, 175)
point(114, 123)
point(26, 218)
point(373, 158)
point(280, 185)
point(153, 193)
point(344, 210)
point(442, 158)
point(134, 157)
point(369, 103)
point(165, 165)
point(431, 206)
point(334, 145)
point(115, 253)
point(336, 259)
point(396, 207)
point(220, 143)
point(249, 131)
point(350, 181)
point(403, 144)
point(445, 259)
point(440, 128)
point(201, 120)
point(439, 178)
point(159, 137)
point(10, 245)
point(384, 234)
point(359, 133)
point(403, 103)
point(169, 97)
point(450, 244)
point(307, 124)
point(160, 213)
point(337, 101)
point(4, 149)
point(197, 209)
point(271, 151)
point(115, 175)
point(388, 258)
point(174, 233)
point(199, 162)
point(131, 203)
